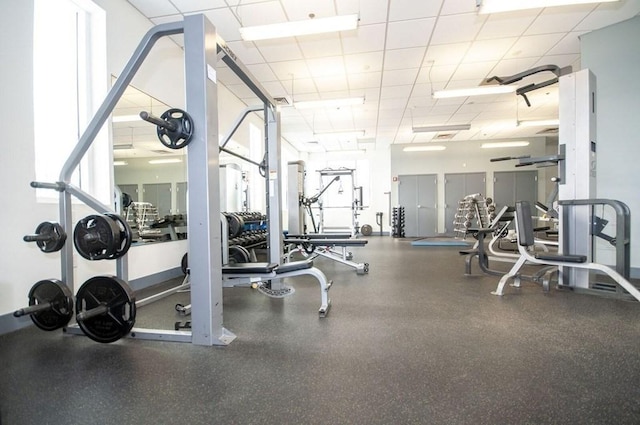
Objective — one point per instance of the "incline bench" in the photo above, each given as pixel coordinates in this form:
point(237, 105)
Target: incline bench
point(526, 240)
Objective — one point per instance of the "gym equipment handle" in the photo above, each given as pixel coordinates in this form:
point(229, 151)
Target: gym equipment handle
point(97, 311)
point(37, 238)
point(158, 121)
point(32, 309)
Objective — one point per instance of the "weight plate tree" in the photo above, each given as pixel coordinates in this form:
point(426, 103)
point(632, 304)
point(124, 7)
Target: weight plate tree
point(106, 308)
point(50, 305)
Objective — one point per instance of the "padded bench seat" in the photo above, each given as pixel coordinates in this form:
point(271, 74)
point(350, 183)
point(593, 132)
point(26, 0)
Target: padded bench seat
point(326, 242)
point(321, 236)
point(563, 258)
point(246, 268)
point(293, 266)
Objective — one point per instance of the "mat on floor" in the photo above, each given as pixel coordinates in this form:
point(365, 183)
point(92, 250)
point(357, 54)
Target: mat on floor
point(439, 242)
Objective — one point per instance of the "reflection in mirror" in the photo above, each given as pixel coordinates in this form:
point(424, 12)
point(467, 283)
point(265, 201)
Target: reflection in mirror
point(151, 177)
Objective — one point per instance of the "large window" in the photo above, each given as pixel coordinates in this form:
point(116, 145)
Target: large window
point(70, 81)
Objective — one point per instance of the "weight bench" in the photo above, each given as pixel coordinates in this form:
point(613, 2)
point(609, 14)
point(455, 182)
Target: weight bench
point(526, 240)
point(313, 248)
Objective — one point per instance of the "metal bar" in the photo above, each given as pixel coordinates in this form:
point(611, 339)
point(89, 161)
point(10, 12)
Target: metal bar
point(236, 124)
point(88, 199)
point(115, 93)
point(155, 297)
point(148, 117)
point(237, 155)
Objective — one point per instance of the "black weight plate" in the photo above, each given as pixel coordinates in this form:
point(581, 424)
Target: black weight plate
point(238, 254)
point(181, 136)
point(56, 234)
point(59, 295)
point(184, 263)
point(96, 237)
point(126, 236)
point(117, 296)
point(236, 224)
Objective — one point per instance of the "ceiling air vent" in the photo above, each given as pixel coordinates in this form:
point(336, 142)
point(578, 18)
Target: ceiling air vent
point(550, 130)
point(161, 152)
point(281, 101)
point(443, 136)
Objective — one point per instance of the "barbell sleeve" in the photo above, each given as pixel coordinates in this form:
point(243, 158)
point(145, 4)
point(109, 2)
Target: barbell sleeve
point(32, 309)
point(88, 314)
point(158, 121)
point(36, 238)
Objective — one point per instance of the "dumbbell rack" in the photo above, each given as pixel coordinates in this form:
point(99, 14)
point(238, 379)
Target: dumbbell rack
point(473, 208)
point(397, 223)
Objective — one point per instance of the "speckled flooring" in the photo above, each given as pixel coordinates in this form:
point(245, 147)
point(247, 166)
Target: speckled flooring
point(413, 342)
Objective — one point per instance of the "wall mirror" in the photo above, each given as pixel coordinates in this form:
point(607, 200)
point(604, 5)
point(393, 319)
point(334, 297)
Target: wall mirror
point(150, 175)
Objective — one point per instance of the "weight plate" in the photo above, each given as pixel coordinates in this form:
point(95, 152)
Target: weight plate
point(59, 295)
point(116, 295)
point(184, 263)
point(238, 254)
point(236, 224)
point(366, 230)
point(56, 234)
point(96, 237)
point(181, 136)
point(126, 236)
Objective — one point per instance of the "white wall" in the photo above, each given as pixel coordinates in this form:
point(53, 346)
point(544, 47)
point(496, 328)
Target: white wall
point(465, 157)
point(612, 54)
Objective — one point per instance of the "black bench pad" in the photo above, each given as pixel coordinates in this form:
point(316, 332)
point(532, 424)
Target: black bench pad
point(293, 266)
point(326, 242)
point(563, 258)
point(321, 236)
point(244, 268)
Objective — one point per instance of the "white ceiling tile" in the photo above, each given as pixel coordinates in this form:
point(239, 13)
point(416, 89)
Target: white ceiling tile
point(301, 85)
point(364, 62)
point(473, 71)
point(291, 69)
point(320, 45)
point(237, 2)
point(454, 7)
point(457, 28)
point(508, 67)
point(281, 49)
point(331, 83)
point(225, 22)
point(486, 50)
point(511, 24)
point(534, 45)
point(412, 33)
point(274, 88)
point(264, 13)
point(399, 77)
point(370, 12)
point(446, 54)
point(242, 91)
point(364, 80)
point(397, 104)
point(392, 92)
point(404, 58)
point(367, 38)
point(608, 14)
point(262, 72)
point(298, 10)
point(196, 5)
point(560, 60)
point(570, 44)
point(559, 19)
point(436, 74)
point(154, 8)
point(323, 67)
point(410, 9)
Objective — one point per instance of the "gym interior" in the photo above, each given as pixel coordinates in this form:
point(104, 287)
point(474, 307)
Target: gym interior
point(224, 211)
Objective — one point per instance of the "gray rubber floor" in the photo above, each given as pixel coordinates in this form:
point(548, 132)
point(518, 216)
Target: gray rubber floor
point(413, 342)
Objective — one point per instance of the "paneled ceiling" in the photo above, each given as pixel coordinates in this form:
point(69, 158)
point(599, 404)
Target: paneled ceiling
point(401, 52)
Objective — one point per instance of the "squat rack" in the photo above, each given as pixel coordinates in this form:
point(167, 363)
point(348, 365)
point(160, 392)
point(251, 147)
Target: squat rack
point(202, 50)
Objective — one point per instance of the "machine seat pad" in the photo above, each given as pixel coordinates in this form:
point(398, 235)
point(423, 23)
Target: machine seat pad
point(328, 242)
point(563, 258)
point(293, 266)
point(321, 236)
point(245, 268)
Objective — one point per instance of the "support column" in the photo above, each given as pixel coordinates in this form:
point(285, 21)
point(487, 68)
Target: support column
point(205, 242)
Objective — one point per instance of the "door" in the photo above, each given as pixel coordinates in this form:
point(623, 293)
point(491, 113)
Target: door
point(159, 195)
point(512, 186)
point(181, 198)
point(456, 187)
point(418, 195)
point(131, 190)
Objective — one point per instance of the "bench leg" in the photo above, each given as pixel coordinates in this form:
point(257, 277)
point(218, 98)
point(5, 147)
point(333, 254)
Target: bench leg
point(325, 285)
point(512, 273)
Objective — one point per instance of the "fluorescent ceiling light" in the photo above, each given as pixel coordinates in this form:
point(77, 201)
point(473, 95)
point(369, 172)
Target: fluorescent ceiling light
point(436, 128)
point(329, 103)
point(117, 163)
point(125, 118)
point(498, 6)
point(296, 28)
point(538, 123)
point(424, 148)
point(473, 91)
point(122, 147)
point(504, 144)
point(165, 161)
point(349, 134)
